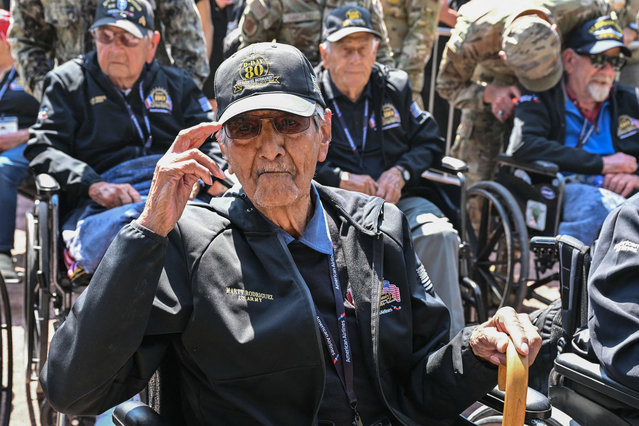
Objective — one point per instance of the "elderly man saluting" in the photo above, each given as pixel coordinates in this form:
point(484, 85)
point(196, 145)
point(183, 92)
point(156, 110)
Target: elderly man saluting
point(101, 111)
point(286, 302)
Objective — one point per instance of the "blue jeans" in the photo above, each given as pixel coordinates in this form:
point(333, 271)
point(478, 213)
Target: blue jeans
point(14, 168)
point(585, 208)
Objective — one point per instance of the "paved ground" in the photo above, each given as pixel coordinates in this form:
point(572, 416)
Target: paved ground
point(20, 414)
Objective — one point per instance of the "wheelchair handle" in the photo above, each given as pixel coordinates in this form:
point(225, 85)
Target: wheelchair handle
point(513, 380)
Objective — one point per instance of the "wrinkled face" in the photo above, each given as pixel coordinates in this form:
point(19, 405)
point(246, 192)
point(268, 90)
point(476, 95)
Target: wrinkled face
point(350, 60)
point(120, 61)
point(587, 79)
point(276, 169)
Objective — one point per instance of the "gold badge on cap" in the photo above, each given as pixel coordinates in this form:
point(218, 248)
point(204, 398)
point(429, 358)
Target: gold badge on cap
point(254, 73)
point(353, 18)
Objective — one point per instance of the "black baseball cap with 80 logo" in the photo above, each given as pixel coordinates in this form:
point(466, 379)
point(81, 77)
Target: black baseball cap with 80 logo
point(271, 76)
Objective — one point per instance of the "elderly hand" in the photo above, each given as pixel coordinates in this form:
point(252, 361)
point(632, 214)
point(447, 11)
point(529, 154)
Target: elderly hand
point(621, 183)
point(11, 140)
point(111, 195)
point(489, 340)
point(359, 183)
point(175, 174)
point(619, 163)
point(390, 184)
point(500, 99)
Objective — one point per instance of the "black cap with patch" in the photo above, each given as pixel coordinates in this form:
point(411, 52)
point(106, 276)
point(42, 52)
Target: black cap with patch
point(270, 76)
point(347, 20)
point(597, 36)
point(133, 16)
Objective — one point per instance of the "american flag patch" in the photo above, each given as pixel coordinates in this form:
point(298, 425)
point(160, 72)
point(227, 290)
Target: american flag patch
point(391, 290)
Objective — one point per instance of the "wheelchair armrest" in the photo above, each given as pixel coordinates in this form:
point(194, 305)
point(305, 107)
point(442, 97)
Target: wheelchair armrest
point(452, 165)
point(137, 413)
point(448, 166)
point(537, 404)
point(539, 166)
point(46, 185)
point(590, 374)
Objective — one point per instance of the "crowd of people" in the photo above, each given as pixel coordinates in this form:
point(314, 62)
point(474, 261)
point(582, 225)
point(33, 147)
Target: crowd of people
point(327, 260)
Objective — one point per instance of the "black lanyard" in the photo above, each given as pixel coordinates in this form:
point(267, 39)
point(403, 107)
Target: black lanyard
point(146, 143)
point(7, 83)
point(345, 355)
point(348, 134)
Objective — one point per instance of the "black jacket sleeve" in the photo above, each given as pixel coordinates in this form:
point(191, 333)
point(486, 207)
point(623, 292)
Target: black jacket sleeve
point(51, 145)
point(538, 130)
point(84, 375)
point(613, 318)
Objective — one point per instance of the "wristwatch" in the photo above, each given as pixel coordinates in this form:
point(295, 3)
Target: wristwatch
point(405, 173)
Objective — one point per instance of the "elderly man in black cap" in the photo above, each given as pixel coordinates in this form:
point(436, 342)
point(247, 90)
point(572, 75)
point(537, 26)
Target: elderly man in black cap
point(383, 141)
point(588, 125)
point(286, 302)
point(109, 107)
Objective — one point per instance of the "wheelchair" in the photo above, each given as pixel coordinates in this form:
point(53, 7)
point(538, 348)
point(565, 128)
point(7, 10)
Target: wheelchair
point(6, 355)
point(48, 293)
point(578, 386)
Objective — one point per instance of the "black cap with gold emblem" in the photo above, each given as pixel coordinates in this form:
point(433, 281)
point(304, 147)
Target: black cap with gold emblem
point(347, 20)
point(266, 76)
point(133, 16)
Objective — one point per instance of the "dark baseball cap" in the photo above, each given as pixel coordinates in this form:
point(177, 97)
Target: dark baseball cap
point(270, 76)
point(133, 16)
point(347, 20)
point(597, 36)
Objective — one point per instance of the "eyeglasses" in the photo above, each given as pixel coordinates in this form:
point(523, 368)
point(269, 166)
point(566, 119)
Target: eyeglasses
point(107, 36)
point(249, 126)
point(599, 60)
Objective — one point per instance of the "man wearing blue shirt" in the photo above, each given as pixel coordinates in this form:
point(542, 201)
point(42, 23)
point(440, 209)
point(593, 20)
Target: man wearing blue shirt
point(587, 125)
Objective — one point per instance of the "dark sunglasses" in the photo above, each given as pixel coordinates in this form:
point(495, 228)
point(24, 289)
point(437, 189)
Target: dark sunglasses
point(107, 36)
point(598, 60)
point(249, 126)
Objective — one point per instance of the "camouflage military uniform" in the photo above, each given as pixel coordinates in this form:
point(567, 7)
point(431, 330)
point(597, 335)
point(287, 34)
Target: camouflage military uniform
point(299, 22)
point(471, 61)
point(46, 32)
point(412, 28)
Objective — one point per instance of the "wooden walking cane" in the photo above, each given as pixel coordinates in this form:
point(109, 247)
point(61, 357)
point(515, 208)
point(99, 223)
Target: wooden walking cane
point(513, 380)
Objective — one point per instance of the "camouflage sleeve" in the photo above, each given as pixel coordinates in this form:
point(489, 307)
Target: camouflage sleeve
point(31, 43)
point(261, 21)
point(458, 63)
point(418, 43)
point(183, 32)
point(384, 52)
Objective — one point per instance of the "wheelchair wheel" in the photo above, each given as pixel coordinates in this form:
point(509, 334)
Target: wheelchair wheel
point(6, 352)
point(496, 233)
point(36, 303)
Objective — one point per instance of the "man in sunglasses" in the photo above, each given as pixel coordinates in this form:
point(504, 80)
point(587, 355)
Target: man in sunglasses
point(285, 302)
point(588, 125)
point(110, 106)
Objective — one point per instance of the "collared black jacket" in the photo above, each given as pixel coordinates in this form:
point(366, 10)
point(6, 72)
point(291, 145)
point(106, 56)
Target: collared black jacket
point(540, 129)
point(224, 292)
point(613, 310)
point(414, 144)
point(84, 129)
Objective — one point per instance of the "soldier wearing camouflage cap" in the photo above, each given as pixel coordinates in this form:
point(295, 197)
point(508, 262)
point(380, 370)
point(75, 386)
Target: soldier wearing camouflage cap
point(412, 29)
point(45, 34)
point(299, 23)
point(495, 50)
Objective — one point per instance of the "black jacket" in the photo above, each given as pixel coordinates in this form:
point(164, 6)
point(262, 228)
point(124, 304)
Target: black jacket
point(415, 144)
point(540, 129)
point(613, 311)
point(84, 129)
point(235, 309)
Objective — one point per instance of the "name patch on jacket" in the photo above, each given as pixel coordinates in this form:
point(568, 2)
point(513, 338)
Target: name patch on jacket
point(627, 126)
point(97, 99)
point(159, 101)
point(390, 116)
point(248, 296)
